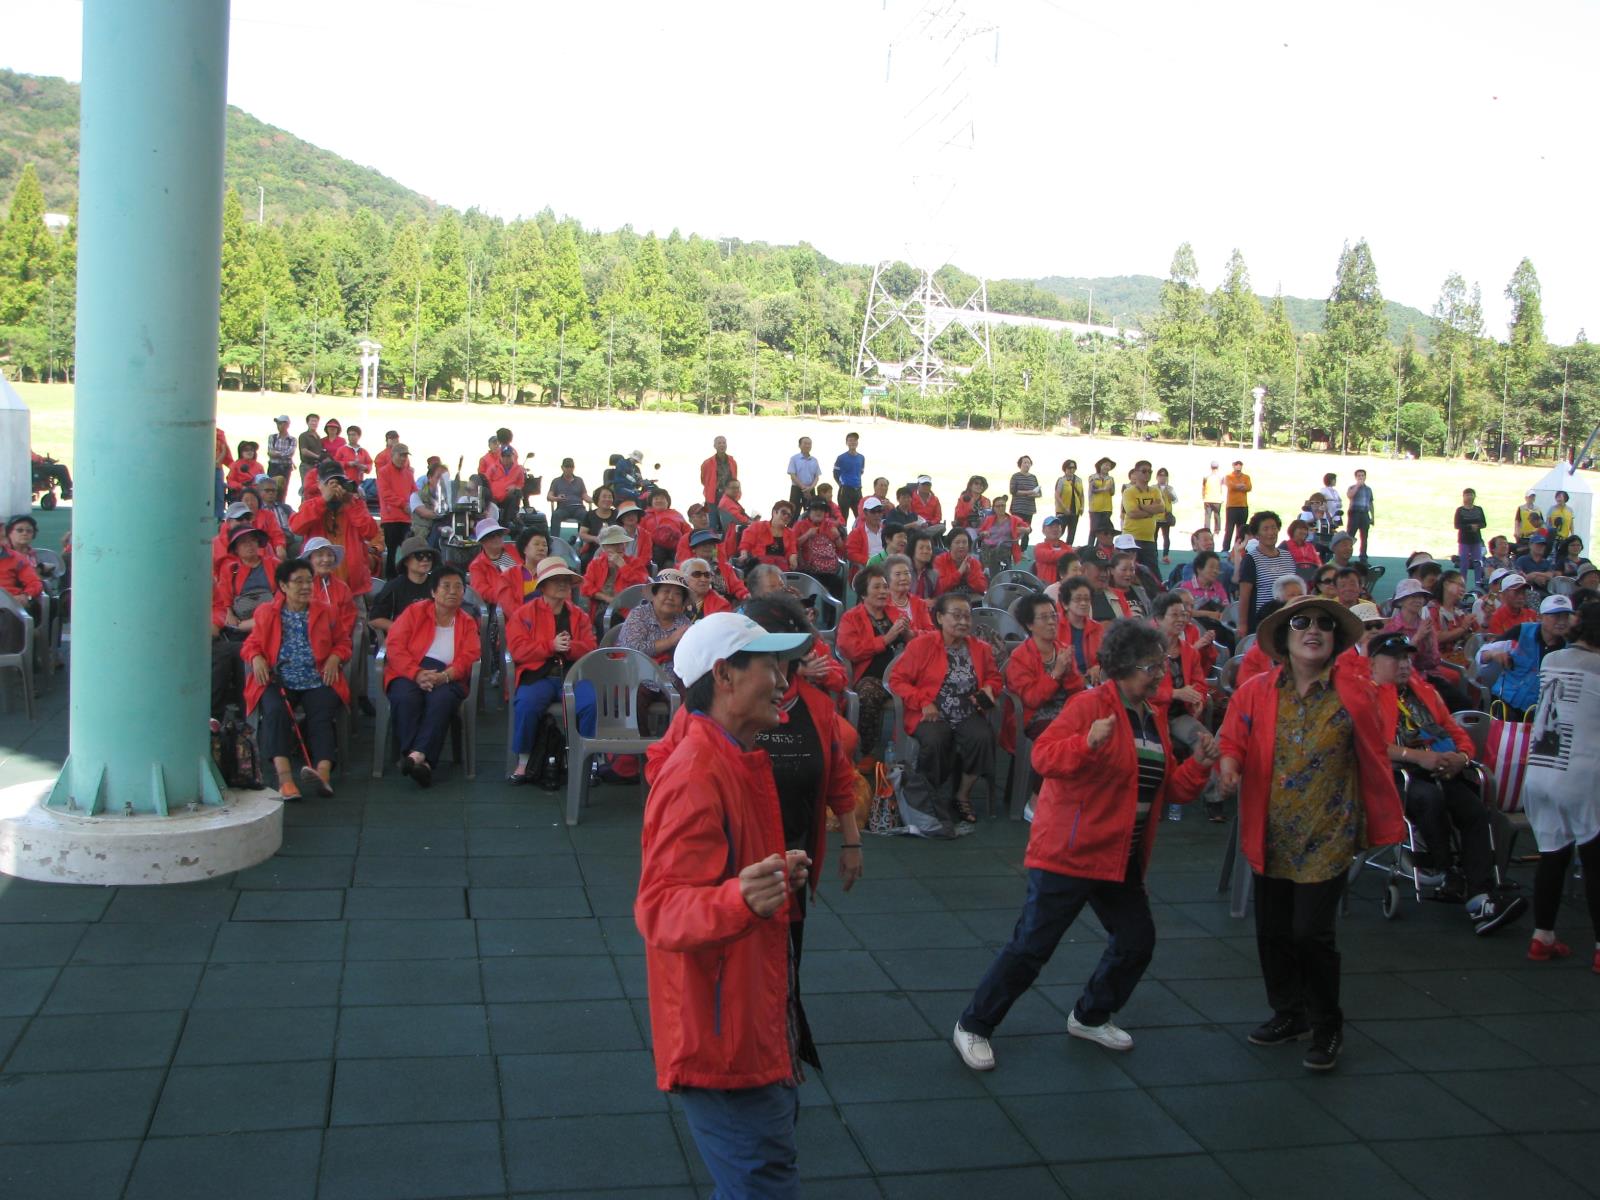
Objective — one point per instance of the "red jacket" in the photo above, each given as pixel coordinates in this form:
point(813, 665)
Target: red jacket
point(395, 485)
point(226, 585)
point(1047, 556)
point(531, 635)
point(266, 639)
point(504, 480)
point(918, 674)
point(712, 604)
point(708, 477)
point(759, 536)
point(856, 642)
point(356, 530)
point(1505, 620)
point(488, 581)
point(917, 609)
point(1389, 699)
point(17, 575)
point(355, 460)
point(855, 546)
point(1083, 821)
point(412, 634)
point(224, 451)
point(242, 473)
point(1305, 554)
point(950, 576)
point(968, 505)
point(662, 527)
point(1027, 679)
point(718, 974)
point(634, 570)
point(930, 510)
point(1194, 675)
point(264, 521)
point(1093, 633)
point(1256, 661)
point(1208, 653)
point(1249, 736)
point(335, 593)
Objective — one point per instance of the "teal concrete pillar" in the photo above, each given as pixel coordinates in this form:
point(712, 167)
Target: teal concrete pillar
point(149, 249)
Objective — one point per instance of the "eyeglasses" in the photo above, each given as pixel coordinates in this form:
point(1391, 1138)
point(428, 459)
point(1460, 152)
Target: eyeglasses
point(1154, 668)
point(699, 574)
point(1303, 621)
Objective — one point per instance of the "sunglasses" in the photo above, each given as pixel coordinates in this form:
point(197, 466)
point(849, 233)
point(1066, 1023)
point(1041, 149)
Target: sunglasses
point(1374, 626)
point(699, 574)
point(1304, 621)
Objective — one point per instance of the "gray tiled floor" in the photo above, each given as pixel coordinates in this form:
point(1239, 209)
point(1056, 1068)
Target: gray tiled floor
point(443, 995)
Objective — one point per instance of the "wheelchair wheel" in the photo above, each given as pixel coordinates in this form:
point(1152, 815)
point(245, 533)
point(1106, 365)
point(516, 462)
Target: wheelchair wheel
point(1391, 901)
point(47, 501)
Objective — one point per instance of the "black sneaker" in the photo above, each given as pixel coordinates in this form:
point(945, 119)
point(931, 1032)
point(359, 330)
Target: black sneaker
point(1495, 912)
point(1324, 1052)
point(1282, 1028)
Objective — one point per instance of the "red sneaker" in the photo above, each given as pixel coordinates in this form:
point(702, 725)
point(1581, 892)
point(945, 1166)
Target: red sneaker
point(1548, 951)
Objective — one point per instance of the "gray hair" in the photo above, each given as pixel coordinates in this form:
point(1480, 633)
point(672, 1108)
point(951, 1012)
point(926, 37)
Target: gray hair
point(1284, 582)
point(1128, 645)
point(898, 560)
point(701, 563)
point(763, 577)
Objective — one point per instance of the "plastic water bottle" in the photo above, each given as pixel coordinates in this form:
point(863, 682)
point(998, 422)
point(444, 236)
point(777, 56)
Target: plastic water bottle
point(1174, 812)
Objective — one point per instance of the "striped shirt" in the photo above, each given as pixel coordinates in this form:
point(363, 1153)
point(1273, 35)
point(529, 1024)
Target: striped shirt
point(1264, 570)
point(1152, 759)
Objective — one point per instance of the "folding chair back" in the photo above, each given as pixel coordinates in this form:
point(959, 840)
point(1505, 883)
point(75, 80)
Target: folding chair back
point(624, 601)
point(17, 638)
point(617, 675)
point(1004, 595)
point(825, 609)
point(1017, 575)
point(563, 549)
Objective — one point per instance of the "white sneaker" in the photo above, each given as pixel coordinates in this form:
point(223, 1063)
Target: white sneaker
point(974, 1050)
point(1107, 1035)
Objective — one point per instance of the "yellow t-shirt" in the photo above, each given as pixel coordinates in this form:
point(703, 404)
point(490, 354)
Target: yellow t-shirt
point(1142, 528)
point(1529, 519)
point(1101, 489)
point(1559, 519)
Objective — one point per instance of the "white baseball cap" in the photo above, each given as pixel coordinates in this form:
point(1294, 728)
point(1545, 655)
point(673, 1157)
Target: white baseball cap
point(870, 503)
point(924, 479)
point(1215, 464)
point(1555, 604)
point(1512, 580)
point(1124, 541)
point(720, 636)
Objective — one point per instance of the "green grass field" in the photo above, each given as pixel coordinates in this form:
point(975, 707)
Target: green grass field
point(1415, 500)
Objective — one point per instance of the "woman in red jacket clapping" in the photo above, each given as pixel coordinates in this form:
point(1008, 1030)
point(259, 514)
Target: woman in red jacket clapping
point(958, 569)
point(1108, 769)
point(948, 681)
point(545, 636)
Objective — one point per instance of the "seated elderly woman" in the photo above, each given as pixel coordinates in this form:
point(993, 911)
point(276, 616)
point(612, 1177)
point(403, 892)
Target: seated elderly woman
point(1182, 689)
point(948, 681)
point(870, 635)
point(772, 541)
point(295, 656)
point(18, 573)
point(725, 580)
point(958, 569)
point(1040, 672)
point(1077, 630)
point(612, 570)
point(545, 636)
point(704, 599)
point(763, 578)
point(427, 671)
point(654, 629)
point(903, 599)
point(328, 588)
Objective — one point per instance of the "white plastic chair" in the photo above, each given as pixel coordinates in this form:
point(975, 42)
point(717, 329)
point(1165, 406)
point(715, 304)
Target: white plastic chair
point(20, 659)
point(617, 674)
point(826, 609)
point(625, 601)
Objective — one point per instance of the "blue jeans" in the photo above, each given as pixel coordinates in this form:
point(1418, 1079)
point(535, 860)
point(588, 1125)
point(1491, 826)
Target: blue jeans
point(1472, 559)
point(746, 1139)
point(533, 698)
point(1054, 902)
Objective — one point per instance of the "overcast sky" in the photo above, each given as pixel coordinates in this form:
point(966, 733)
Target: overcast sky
point(1045, 137)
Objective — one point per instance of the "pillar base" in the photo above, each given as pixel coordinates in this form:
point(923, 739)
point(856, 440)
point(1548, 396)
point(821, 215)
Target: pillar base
point(58, 847)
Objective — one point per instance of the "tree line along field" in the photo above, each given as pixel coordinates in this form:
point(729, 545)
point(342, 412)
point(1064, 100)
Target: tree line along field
point(1416, 500)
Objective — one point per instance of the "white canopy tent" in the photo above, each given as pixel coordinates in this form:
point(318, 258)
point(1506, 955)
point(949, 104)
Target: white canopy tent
point(1579, 486)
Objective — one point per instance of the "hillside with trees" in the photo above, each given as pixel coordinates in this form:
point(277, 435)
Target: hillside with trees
point(543, 311)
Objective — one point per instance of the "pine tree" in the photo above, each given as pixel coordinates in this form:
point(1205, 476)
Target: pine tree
point(25, 250)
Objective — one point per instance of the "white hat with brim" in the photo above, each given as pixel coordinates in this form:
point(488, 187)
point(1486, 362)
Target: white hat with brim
point(1551, 605)
point(321, 543)
point(237, 511)
point(921, 479)
point(871, 503)
point(487, 527)
point(720, 636)
point(670, 578)
point(1512, 580)
point(613, 535)
point(1124, 541)
point(1367, 611)
point(1410, 587)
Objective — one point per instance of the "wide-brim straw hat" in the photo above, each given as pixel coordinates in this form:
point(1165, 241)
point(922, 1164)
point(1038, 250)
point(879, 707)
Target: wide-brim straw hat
point(552, 568)
point(1345, 622)
point(613, 535)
